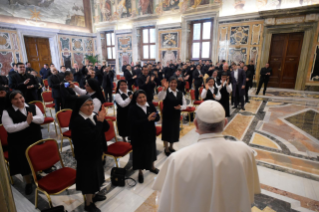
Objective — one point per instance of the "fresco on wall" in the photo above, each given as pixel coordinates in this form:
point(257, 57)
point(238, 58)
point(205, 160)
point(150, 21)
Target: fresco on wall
point(169, 40)
point(124, 57)
point(124, 8)
point(70, 12)
point(170, 5)
point(102, 11)
point(5, 42)
point(239, 35)
point(168, 55)
point(145, 7)
point(124, 42)
point(315, 68)
point(196, 3)
point(6, 59)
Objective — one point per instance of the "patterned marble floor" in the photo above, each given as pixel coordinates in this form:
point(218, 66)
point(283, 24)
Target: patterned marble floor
point(283, 133)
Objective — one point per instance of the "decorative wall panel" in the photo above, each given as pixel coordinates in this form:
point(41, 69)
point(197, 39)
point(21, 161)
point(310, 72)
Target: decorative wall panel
point(169, 40)
point(124, 43)
point(10, 50)
point(237, 55)
point(169, 45)
point(65, 43)
point(256, 29)
point(124, 57)
point(124, 50)
point(168, 55)
point(239, 35)
point(77, 44)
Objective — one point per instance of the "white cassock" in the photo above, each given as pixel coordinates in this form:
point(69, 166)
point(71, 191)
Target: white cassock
point(212, 175)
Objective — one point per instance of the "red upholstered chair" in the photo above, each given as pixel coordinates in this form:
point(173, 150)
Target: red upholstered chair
point(63, 118)
point(109, 104)
point(4, 143)
point(46, 84)
point(134, 88)
point(48, 100)
point(122, 78)
point(44, 156)
point(118, 77)
point(119, 148)
point(155, 104)
point(200, 92)
point(159, 89)
point(158, 130)
point(189, 110)
point(114, 88)
point(194, 101)
point(47, 120)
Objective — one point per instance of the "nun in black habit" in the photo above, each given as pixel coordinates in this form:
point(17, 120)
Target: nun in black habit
point(22, 123)
point(225, 88)
point(123, 99)
point(88, 130)
point(210, 92)
point(142, 118)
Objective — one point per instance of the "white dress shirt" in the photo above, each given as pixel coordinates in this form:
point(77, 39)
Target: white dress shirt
point(162, 95)
point(119, 100)
point(144, 107)
point(96, 102)
point(12, 127)
point(236, 74)
point(212, 89)
point(91, 117)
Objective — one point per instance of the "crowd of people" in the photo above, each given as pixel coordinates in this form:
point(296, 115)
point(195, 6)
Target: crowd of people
point(84, 90)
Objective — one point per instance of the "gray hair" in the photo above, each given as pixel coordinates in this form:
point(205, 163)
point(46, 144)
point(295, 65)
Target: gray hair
point(210, 128)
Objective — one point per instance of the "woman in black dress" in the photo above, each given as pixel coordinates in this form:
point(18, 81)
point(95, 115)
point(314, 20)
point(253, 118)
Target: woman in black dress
point(142, 118)
point(88, 130)
point(93, 89)
point(123, 99)
point(22, 122)
point(210, 92)
point(173, 102)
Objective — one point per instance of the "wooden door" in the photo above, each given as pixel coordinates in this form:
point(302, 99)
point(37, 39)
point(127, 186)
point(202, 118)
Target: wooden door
point(38, 52)
point(284, 58)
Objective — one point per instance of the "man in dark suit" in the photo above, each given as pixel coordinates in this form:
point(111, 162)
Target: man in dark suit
point(84, 71)
point(251, 67)
point(198, 80)
point(130, 76)
point(265, 73)
point(28, 68)
point(77, 74)
point(26, 83)
point(68, 95)
point(124, 66)
point(39, 82)
point(4, 82)
point(54, 82)
point(44, 72)
point(12, 72)
point(238, 80)
point(146, 83)
point(168, 71)
point(108, 78)
point(181, 80)
point(99, 74)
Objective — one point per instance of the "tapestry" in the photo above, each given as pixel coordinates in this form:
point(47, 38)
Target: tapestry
point(168, 55)
point(169, 40)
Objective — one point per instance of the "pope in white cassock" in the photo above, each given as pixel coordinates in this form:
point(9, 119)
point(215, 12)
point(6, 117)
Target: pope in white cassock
point(212, 175)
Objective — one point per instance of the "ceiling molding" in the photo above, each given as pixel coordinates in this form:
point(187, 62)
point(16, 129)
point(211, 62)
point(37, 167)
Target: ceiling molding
point(295, 11)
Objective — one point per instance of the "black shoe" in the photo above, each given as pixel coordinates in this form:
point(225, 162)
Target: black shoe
point(98, 198)
point(243, 108)
point(235, 107)
point(264, 94)
point(49, 170)
point(256, 94)
point(172, 150)
point(28, 189)
point(140, 178)
point(247, 101)
point(167, 153)
point(39, 176)
point(91, 208)
point(155, 170)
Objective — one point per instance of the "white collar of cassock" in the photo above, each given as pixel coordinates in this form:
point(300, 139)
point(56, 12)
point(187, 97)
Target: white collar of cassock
point(121, 92)
point(236, 70)
point(90, 94)
point(170, 90)
point(141, 106)
point(87, 117)
point(206, 136)
point(16, 108)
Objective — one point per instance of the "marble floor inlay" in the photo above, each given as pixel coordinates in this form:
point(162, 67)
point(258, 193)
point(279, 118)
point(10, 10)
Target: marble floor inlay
point(238, 126)
point(261, 140)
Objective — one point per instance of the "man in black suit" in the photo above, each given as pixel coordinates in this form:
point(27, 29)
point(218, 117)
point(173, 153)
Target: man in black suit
point(26, 83)
point(11, 73)
point(77, 74)
point(54, 82)
point(4, 82)
point(249, 81)
point(108, 83)
point(168, 71)
point(28, 68)
point(265, 73)
point(124, 66)
point(39, 82)
point(130, 76)
point(251, 68)
point(206, 67)
point(198, 80)
point(68, 95)
point(44, 72)
point(99, 74)
point(146, 83)
point(181, 80)
point(84, 72)
point(238, 80)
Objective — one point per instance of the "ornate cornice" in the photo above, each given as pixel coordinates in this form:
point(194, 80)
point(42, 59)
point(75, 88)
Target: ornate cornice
point(289, 11)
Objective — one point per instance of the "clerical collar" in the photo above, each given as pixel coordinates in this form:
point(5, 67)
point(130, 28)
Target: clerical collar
point(90, 94)
point(16, 108)
point(146, 105)
point(87, 117)
point(121, 92)
point(170, 90)
point(206, 136)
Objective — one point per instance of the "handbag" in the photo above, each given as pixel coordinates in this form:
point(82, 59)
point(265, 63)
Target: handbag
point(59, 208)
point(118, 177)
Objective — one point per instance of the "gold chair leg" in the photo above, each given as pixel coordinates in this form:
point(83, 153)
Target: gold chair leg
point(116, 162)
point(8, 167)
point(189, 118)
point(49, 198)
point(49, 127)
point(113, 110)
point(71, 145)
point(61, 145)
point(36, 197)
point(51, 113)
point(56, 131)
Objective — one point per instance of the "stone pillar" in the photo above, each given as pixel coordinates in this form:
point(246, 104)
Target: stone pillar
point(136, 37)
point(184, 43)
